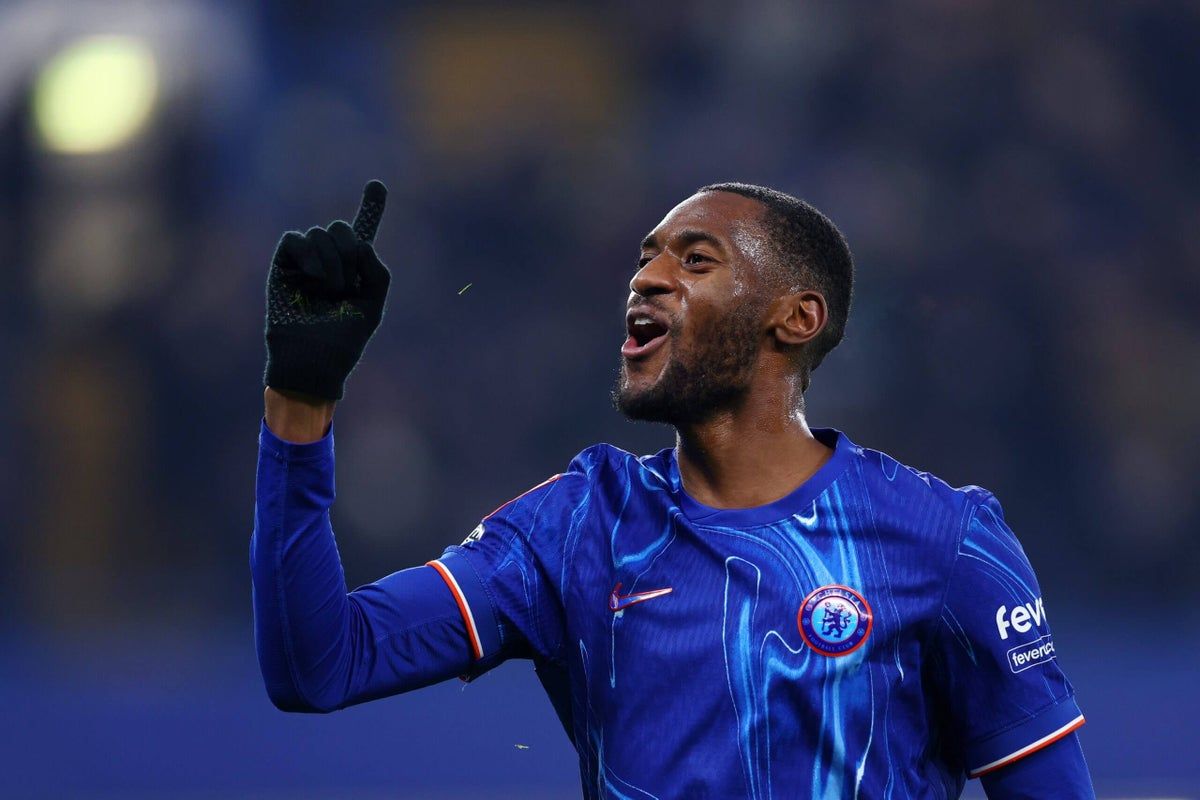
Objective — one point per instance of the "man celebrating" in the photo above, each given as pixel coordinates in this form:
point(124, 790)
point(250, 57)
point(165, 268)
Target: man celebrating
point(764, 610)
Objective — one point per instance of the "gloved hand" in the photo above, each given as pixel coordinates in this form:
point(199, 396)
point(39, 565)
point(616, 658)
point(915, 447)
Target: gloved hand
point(325, 296)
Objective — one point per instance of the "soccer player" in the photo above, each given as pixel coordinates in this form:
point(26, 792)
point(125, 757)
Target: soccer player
point(763, 610)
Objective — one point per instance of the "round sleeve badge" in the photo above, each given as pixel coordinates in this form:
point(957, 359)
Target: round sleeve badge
point(834, 620)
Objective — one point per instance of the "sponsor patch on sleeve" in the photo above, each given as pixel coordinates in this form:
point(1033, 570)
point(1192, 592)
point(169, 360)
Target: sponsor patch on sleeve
point(473, 536)
point(1030, 654)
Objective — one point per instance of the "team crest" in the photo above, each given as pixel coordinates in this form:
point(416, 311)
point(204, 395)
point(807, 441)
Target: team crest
point(834, 620)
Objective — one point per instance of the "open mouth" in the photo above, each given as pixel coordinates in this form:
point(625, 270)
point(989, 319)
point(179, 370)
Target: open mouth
point(646, 333)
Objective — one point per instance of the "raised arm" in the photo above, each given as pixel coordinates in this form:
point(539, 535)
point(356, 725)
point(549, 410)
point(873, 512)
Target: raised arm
point(320, 647)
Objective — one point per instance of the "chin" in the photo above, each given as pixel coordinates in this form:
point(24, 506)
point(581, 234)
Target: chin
point(640, 408)
point(653, 401)
point(639, 399)
point(679, 395)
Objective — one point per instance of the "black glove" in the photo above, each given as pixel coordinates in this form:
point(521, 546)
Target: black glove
point(325, 295)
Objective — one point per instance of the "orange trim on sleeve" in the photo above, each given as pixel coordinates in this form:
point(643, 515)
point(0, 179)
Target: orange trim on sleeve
point(1030, 749)
point(463, 607)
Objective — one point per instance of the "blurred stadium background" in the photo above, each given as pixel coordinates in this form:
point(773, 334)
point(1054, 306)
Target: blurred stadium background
point(1020, 184)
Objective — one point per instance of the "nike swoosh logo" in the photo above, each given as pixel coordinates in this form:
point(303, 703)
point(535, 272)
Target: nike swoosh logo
point(620, 602)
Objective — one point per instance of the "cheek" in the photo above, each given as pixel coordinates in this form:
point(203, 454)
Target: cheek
point(701, 322)
point(709, 301)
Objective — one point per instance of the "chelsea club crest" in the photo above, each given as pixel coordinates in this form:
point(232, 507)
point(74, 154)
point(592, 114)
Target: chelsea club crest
point(834, 620)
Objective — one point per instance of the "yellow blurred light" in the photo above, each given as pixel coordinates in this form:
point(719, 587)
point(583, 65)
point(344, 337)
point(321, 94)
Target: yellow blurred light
point(95, 95)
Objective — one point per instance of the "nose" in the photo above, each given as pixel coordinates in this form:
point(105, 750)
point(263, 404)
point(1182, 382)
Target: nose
point(653, 278)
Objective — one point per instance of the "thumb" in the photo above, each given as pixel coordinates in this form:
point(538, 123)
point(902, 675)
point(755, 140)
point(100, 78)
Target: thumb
point(375, 276)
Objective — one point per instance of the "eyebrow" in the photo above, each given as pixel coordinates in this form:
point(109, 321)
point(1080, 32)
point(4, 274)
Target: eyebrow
point(688, 236)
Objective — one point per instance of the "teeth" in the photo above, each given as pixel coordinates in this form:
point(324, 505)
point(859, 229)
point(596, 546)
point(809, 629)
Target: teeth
point(642, 321)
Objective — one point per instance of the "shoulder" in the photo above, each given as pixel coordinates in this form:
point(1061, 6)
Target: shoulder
point(929, 520)
point(910, 498)
point(593, 469)
point(605, 462)
point(603, 453)
point(600, 457)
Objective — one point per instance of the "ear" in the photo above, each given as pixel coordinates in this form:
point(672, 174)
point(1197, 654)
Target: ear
point(798, 318)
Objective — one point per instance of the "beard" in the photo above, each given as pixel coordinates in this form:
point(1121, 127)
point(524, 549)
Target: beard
point(697, 382)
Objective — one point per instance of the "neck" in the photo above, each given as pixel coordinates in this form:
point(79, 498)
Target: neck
point(750, 455)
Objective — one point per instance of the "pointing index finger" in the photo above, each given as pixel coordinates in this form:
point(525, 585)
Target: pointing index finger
point(370, 211)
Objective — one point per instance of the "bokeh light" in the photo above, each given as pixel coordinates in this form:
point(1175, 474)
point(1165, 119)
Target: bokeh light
point(96, 95)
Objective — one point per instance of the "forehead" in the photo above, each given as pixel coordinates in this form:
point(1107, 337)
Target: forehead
point(729, 217)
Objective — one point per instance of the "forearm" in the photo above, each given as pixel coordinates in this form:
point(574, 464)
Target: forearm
point(301, 615)
point(320, 648)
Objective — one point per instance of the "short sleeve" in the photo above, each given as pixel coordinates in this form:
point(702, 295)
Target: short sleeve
point(1005, 693)
point(509, 575)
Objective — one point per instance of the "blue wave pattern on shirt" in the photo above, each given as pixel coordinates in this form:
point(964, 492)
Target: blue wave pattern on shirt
point(711, 691)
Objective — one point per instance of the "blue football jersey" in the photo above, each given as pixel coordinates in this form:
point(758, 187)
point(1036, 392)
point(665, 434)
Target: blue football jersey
point(875, 633)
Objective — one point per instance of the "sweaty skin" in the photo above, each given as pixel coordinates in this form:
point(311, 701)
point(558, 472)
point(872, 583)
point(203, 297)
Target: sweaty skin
point(700, 263)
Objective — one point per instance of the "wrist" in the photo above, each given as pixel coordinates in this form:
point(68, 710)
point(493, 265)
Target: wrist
point(301, 363)
point(295, 417)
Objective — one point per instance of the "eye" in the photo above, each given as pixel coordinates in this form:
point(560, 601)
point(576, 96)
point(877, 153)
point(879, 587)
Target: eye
point(643, 261)
point(696, 258)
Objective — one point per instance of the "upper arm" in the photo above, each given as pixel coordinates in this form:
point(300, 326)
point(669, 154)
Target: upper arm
point(406, 633)
point(399, 633)
point(1004, 692)
point(1055, 772)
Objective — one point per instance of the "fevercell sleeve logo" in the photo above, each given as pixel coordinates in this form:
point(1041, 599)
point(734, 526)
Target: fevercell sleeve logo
point(1024, 656)
point(1021, 619)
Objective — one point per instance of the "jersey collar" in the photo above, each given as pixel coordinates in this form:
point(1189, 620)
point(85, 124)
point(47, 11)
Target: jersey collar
point(798, 501)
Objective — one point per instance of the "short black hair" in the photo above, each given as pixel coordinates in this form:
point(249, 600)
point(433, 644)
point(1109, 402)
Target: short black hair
point(812, 251)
